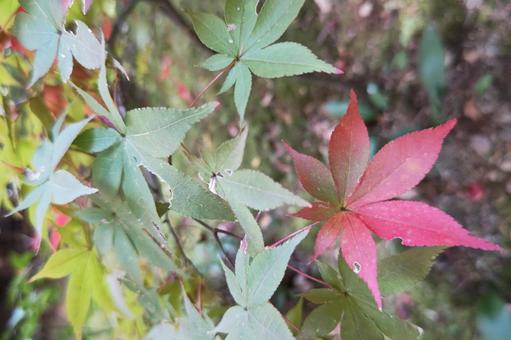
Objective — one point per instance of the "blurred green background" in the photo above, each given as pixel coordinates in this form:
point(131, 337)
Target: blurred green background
point(413, 64)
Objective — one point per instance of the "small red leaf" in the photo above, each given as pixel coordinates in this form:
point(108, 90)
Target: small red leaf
point(359, 251)
point(327, 235)
point(314, 176)
point(184, 93)
point(400, 165)
point(349, 150)
point(318, 211)
point(53, 97)
point(54, 240)
point(418, 224)
point(61, 219)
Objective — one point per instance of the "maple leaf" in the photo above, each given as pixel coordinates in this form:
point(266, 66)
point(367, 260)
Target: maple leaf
point(354, 195)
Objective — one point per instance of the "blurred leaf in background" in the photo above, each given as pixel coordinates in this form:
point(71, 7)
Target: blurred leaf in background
point(431, 68)
point(494, 318)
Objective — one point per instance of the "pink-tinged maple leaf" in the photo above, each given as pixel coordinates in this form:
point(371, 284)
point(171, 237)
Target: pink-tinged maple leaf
point(86, 5)
point(54, 240)
point(61, 219)
point(354, 195)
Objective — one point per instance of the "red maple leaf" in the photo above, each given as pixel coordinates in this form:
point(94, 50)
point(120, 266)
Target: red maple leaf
point(354, 195)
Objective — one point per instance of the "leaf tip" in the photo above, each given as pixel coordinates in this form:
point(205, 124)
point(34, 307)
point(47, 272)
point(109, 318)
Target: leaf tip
point(353, 96)
point(215, 104)
point(292, 152)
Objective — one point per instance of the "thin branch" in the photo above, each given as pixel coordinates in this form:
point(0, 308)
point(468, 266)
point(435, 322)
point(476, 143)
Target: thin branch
point(119, 22)
point(279, 242)
point(198, 304)
point(166, 251)
point(212, 82)
point(169, 10)
point(181, 249)
point(215, 232)
point(312, 278)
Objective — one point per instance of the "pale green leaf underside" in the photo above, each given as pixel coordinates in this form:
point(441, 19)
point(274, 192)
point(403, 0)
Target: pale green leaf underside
point(242, 89)
point(268, 267)
point(191, 326)
point(66, 188)
point(255, 323)
point(237, 291)
point(284, 59)
point(58, 187)
point(125, 233)
point(217, 62)
point(97, 139)
point(256, 190)
point(41, 29)
point(159, 131)
point(241, 17)
point(253, 233)
point(189, 198)
point(231, 78)
point(229, 155)
point(273, 20)
point(212, 32)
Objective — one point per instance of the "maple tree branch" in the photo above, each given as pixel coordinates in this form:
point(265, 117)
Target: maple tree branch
point(121, 19)
point(180, 248)
point(166, 251)
point(312, 278)
point(215, 232)
point(170, 11)
point(212, 82)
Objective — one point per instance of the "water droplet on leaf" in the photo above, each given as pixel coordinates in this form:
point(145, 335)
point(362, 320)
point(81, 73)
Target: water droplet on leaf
point(357, 267)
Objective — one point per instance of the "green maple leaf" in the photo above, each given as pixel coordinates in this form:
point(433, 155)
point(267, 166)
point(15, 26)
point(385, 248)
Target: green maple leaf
point(244, 41)
point(51, 185)
point(252, 284)
point(146, 138)
point(86, 282)
point(129, 235)
point(192, 325)
point(350, 303)
point(244, 189)
point(41, 29)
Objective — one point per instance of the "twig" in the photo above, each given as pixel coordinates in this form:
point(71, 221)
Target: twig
point(181, 249)
point(8, 21)
point(215, 232)
point(198, 304)
point(279, 242)
point(312, 278)
point(17, 169)
point(169, 10)
point(212, 82)
point(121, 19)
point(163, 247)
